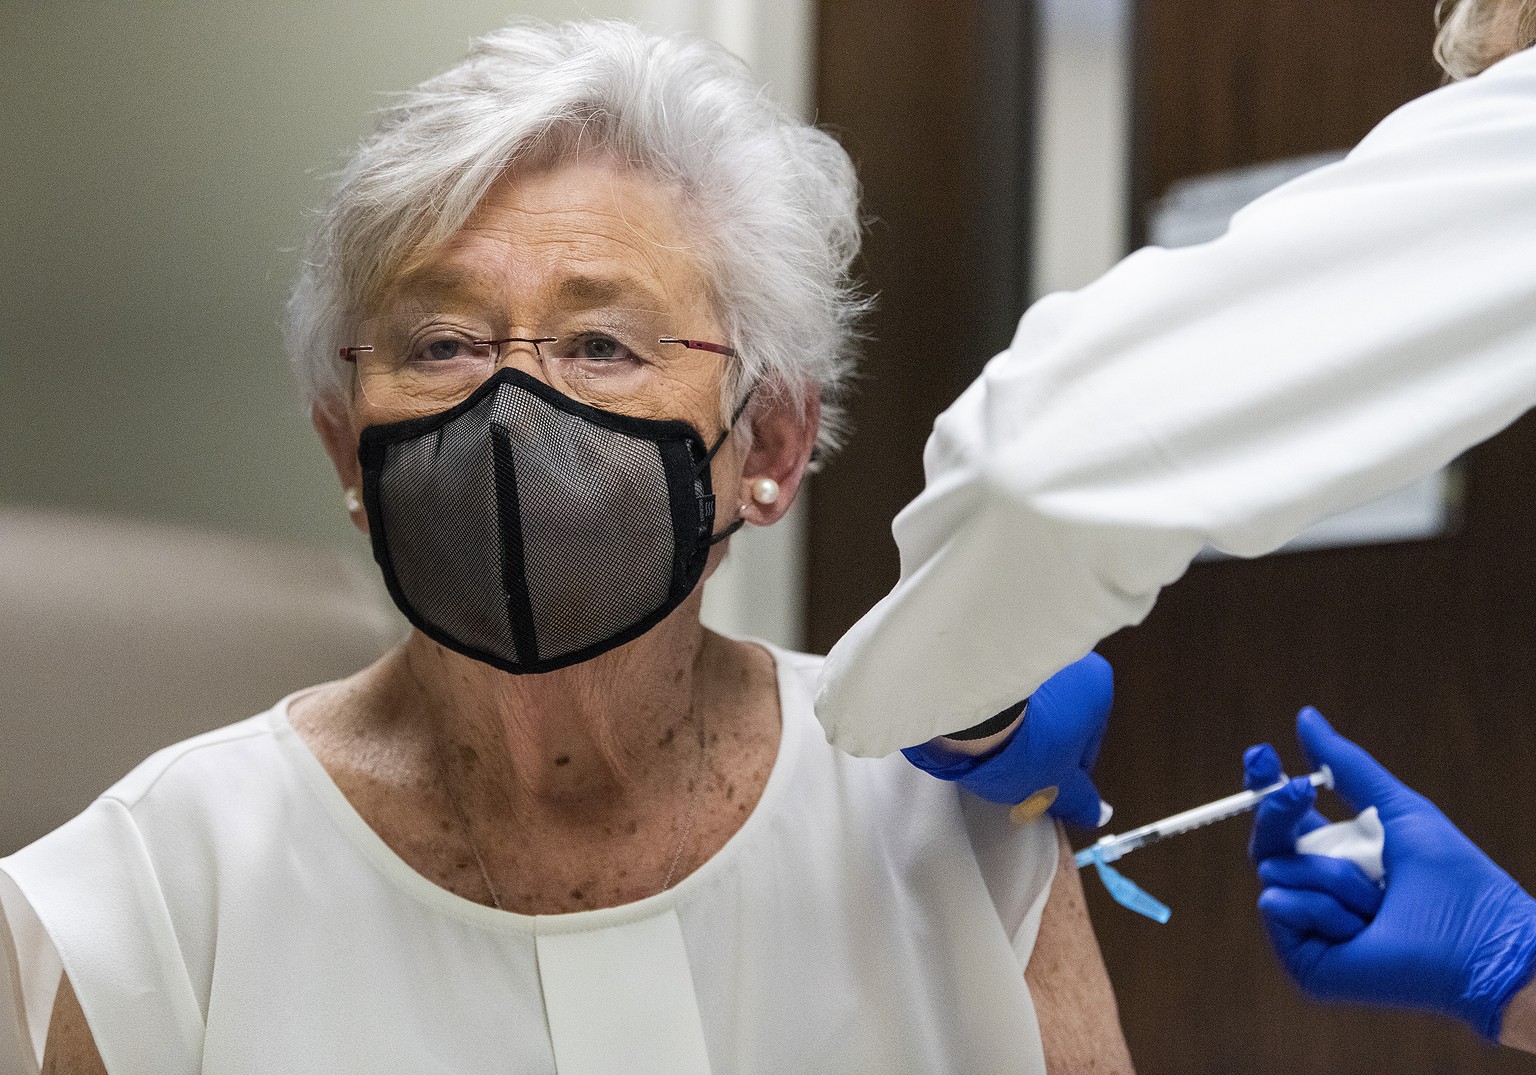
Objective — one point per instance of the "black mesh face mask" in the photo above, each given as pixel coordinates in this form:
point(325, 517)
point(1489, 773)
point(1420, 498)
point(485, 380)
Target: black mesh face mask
point(530, 531)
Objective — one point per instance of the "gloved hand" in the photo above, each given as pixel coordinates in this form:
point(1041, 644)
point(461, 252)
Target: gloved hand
point(1452, 933)
point(1056, 746)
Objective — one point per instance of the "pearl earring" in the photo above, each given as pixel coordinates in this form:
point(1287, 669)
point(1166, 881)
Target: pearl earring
point(352, 500)
point(765, 491)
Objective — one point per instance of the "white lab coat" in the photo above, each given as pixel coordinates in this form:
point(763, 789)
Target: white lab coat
point(1354, 330)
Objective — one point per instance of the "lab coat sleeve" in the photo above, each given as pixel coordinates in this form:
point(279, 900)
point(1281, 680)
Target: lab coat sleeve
point(1352, 331)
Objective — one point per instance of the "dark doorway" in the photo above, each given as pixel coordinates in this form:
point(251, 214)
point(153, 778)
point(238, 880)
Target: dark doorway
point(932, 99)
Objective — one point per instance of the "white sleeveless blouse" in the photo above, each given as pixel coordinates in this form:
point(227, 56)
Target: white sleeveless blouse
point(223, 909)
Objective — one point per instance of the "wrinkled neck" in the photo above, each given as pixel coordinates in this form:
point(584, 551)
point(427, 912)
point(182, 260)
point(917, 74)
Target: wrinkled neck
point(612, 732)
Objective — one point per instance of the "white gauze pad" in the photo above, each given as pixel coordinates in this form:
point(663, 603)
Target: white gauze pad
point(1361, 841)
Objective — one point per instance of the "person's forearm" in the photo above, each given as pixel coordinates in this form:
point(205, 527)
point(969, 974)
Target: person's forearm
point(1519, 1027)
point(975, 748)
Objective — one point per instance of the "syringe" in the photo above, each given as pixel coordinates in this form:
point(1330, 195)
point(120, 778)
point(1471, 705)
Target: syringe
point(1111, 848)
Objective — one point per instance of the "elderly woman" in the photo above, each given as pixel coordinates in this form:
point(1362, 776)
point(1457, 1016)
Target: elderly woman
point(578, 312)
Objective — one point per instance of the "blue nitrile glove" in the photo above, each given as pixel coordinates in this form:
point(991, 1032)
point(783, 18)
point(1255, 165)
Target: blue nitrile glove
point(1056, 746)
point(1452, 933)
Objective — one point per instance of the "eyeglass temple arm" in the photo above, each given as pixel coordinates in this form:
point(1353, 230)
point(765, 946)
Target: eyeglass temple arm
point(701, 345)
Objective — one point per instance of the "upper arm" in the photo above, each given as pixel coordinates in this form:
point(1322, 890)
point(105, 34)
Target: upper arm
point(1079, 1020)
point(71, 1050)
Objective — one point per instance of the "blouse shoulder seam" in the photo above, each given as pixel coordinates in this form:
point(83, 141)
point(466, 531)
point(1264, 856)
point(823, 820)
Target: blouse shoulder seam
point(169, 757)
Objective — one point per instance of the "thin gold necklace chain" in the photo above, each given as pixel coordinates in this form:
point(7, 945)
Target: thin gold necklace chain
point(485, 874)
point(693, 806)
point(458, 811)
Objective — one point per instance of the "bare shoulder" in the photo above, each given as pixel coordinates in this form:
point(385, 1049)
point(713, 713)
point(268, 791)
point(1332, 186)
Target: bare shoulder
point(1079, 1020)
point(70, 1048)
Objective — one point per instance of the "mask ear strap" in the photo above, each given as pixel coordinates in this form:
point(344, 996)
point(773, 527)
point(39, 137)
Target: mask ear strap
point(715, 539)
point(709, 456)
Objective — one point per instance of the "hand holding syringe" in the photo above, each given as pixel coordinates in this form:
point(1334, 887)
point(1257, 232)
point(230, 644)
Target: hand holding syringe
point(1111, 848)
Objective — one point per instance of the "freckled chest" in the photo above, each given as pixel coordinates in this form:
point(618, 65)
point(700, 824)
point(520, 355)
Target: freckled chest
point(546, 866)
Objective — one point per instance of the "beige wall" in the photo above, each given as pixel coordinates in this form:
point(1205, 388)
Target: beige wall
point(1083, 159)
point(158, 160)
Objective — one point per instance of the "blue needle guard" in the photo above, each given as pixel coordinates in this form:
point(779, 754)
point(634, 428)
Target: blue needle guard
point(1126, 892)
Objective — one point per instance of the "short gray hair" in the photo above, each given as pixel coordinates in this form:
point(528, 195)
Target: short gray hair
point(1476, 34)
point(775, 200)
